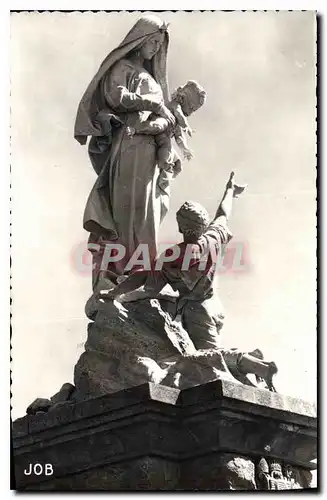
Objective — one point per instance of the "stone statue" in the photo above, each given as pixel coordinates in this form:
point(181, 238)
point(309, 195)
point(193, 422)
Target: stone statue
point(120, 111)
point(156, 322)
point(192, 274)
point(274, 475)
point(159, 324)
point(192, 277)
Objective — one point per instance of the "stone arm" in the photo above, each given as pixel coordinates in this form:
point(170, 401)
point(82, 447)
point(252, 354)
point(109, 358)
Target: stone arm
point(131, 283)
point(232, 190)
point(181, 142)
point(225, 206)
point(157, 125)
point(121, 90)
point(120, 98)
point(128, 102)
point(151, 127)
point(181, 119)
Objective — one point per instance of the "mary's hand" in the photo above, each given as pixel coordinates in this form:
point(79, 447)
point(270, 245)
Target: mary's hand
point(168, 115)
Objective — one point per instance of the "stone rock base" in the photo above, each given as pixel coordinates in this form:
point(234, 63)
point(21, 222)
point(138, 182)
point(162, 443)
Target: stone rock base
point(217, 436)
point(136, 343)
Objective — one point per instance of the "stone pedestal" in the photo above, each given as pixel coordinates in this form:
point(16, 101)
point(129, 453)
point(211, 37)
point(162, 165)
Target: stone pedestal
point(216, 436)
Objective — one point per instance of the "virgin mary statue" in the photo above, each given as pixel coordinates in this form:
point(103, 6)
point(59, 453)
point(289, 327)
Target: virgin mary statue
point(125, 204)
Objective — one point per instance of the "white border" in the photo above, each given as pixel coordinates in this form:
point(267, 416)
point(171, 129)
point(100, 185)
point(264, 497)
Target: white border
point(4, 257)
point(167, 5)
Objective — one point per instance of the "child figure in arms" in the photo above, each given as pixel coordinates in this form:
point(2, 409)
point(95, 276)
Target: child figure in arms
point(185, 100)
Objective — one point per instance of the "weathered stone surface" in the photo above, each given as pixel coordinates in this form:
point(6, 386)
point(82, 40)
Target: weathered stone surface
point(65, 394)
point(272, 474)
point(139, 343)
point(145, 473)
point(200, 368)
point(43, 405)
point(220, 471)
point(154, 437)
point(151, 314)
point(145, 327)
point(39, 405)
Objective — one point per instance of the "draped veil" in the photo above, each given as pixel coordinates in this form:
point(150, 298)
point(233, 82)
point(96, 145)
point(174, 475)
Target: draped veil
point(112, 212)
point(93, 100)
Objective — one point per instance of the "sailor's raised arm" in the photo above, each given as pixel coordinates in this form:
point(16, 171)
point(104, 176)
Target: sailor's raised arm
point(232, 190)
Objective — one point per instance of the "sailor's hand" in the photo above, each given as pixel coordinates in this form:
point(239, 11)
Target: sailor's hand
point(237, 188)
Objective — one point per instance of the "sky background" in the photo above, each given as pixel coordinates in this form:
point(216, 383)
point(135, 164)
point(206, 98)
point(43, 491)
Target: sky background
point(258, 69)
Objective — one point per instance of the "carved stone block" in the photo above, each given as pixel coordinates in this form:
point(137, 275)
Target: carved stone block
point(216, 436)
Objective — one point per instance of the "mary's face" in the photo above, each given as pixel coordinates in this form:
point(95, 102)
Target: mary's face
point(151, 46)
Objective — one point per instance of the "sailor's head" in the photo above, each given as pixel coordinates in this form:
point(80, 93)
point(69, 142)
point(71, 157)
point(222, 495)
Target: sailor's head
point(192, 219)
